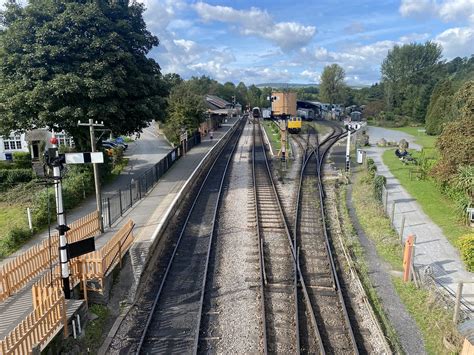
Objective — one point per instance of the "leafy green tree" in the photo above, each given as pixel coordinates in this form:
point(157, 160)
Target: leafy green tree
point(409, 75)
point(241, 94)
point(172, 80)
point(62, 61)
point(457, 139)
point(253, 96)
point(186, 110)
point(440, 109)
point(333, 88)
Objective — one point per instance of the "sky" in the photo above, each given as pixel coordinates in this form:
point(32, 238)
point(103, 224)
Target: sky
point(291, 41)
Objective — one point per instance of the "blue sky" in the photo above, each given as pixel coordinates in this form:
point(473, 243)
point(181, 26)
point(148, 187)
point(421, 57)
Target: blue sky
point(292, 41)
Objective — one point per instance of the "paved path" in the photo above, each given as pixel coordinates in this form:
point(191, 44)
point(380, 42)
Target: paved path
point(146, 214)
point(433, 252)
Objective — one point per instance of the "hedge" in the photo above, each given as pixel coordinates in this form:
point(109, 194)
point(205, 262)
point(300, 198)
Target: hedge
point(466, 246)
point(22, 160)
point(13, 240)
point(14, 176)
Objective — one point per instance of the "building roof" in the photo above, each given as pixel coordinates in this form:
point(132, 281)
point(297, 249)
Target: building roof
point(216, 103)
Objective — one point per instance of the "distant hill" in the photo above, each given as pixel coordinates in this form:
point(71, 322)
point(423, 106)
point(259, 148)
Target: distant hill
point(284, 85)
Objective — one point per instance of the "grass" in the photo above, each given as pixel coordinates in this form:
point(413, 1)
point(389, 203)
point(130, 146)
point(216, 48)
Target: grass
point(437, 206)
point(273, 134)
point(433, 320)
point(375, 223)
point(358, 256)
point(422, 139)
point(12, 216)
point(320, 128)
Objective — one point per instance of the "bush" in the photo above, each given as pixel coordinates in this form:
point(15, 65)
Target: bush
point(466, 246)
point(22, 160)
point(379, 183)
point(15, 176)
point(13, 240)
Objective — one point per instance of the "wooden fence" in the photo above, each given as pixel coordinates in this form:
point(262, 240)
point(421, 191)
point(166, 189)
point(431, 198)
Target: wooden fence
point(18, 272)
point(38, 327)
point(96, 265)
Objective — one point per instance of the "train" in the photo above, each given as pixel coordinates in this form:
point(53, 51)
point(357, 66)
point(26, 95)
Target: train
point(294, 124)
point(256, 113)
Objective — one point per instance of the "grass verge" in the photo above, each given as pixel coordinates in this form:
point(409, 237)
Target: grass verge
point(433, 320)
point(437, 206)
point(12, 216)
point(358, 256)
point(273, 134)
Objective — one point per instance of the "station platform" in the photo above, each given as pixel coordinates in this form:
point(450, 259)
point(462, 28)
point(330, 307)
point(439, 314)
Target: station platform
point(146, 214)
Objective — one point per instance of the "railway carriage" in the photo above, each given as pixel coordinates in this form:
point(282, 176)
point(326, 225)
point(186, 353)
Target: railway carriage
point(256, 113)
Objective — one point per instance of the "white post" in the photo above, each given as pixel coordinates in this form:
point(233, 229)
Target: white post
point(30, 223)
point(348, 151)
point(61, 217)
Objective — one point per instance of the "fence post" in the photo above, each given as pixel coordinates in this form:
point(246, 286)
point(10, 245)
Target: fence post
point(139, 184)
point(131, 196)
point(64, 316)
point(120, 198)
point(108, 211)
point(392, 217)
point(457, 307)
point(402, 229)
point(120, 253)
point(84, 279)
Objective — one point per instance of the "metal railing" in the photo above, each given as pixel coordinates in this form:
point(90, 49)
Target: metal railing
point(115, 205)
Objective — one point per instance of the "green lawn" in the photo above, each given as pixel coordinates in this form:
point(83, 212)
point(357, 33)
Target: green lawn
point(422, 139)
point(12, 217)
point(436, 205)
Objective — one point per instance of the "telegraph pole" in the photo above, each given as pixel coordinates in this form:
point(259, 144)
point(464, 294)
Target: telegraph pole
point(56, 163)
point(98, 194)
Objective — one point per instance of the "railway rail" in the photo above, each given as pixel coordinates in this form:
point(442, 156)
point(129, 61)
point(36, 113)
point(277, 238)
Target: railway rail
point(331, 327)
point(173, 322)
point(279, 301)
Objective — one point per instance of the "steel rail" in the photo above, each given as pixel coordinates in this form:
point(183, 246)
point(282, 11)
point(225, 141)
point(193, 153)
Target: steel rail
point(170, 263)
point(284, 222)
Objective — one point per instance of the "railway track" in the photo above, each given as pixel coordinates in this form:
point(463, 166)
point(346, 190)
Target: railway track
point(331, 330)
point(279, 301)
point(173, 322)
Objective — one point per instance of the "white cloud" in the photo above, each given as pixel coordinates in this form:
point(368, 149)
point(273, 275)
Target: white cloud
point(313, 76)
point(458, 41)
point(257, 22)
point(446, 10)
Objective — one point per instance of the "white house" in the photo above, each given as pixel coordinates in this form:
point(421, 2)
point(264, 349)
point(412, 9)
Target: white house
point(35, 142)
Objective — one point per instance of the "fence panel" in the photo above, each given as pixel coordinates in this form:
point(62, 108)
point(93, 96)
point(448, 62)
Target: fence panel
point(17, 273)
point(38, 326)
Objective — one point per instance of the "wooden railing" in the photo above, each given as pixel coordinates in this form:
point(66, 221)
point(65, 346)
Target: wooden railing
point(96, 265)
point(17, 273)
point(39, 326)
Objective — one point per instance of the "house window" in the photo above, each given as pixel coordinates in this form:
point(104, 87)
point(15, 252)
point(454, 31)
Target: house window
point(65, 140)
point(12, 143)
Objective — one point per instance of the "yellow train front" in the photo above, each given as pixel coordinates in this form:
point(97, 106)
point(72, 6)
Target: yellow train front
point(294, 125)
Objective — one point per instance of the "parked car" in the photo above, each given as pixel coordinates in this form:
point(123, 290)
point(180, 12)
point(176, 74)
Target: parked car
point(117, 144)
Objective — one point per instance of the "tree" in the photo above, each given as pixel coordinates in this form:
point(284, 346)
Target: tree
point(253, 96)
point(409, 75)
point(440, 109)
point(457, 139)
point(186, 110)
point(242, 94)
point(63, 61)
point(172, 80)
point(332, 86)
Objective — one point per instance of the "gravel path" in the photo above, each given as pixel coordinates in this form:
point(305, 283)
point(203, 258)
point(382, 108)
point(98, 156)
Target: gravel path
point(232, 323)
point(406, 328)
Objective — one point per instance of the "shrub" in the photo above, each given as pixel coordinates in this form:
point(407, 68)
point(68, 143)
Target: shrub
point(466, 246)
point(13, 240)
point(22, 160)
point(379, 183)
point(15, 176)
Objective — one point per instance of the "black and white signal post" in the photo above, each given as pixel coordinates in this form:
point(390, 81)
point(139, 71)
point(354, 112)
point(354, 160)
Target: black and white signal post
point(56, 163)
point(68, 251)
